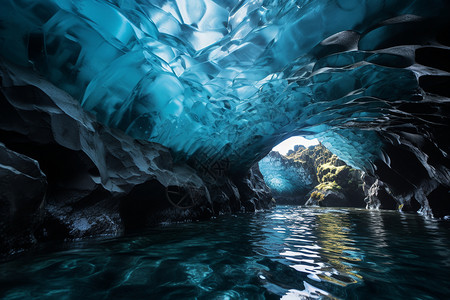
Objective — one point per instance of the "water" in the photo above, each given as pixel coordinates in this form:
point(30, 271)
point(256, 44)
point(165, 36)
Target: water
point(288, 253)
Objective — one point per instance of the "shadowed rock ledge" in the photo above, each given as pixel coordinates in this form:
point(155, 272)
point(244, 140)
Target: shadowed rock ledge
point(22, 186)
point(65, 176)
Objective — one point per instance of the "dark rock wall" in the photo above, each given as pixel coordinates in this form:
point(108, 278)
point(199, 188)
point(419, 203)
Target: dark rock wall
point(22, 186)
point(255, 194)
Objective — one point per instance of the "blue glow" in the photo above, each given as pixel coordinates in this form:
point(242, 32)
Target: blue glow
point(284, 177)
point(225, 80)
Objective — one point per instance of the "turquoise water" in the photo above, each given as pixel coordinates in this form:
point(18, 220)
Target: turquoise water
point(288, 252)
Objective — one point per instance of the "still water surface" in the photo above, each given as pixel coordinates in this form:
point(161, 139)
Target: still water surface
point(288, 253)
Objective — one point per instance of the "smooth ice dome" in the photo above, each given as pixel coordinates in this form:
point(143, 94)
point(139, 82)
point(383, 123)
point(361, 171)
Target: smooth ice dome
point(225, 81)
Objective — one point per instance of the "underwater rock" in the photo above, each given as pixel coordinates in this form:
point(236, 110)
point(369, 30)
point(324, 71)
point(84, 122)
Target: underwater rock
point(22, 186)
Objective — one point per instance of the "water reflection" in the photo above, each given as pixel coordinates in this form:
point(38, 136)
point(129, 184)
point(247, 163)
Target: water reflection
point(338, 248)
point(288, 253)
point(375, 225)
point(356, 254)
point(316, 243)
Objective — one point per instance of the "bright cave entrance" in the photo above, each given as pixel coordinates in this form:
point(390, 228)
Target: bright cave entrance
point(291, 142)
point(302, 171)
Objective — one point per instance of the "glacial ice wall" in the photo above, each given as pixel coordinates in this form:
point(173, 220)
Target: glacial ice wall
point(286, 177)
point(226, 80)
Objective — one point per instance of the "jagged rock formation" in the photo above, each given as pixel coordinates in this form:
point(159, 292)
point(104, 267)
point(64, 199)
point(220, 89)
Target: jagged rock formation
point(378, 195)
point(100, 181)
point(22, 186)
point(312, 176)
point(339, 184)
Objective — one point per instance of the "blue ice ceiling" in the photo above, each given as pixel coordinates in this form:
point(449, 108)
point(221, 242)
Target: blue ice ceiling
point(227, 80)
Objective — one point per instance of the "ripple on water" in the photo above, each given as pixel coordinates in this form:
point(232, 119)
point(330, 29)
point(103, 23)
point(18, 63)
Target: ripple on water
point(288, 253)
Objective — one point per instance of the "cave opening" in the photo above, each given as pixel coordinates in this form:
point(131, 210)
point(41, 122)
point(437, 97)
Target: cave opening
point(291, 142)
point(302, 171)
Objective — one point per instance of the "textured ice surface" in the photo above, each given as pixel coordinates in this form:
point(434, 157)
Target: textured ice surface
point(94, 181)
point(226, 80)
point(285, 177)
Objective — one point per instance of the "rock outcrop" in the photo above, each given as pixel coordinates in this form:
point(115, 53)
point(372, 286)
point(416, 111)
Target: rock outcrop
point(100, 181)
point(312, 176)
point(255, 194)
point(338, 183)
point(22, 186)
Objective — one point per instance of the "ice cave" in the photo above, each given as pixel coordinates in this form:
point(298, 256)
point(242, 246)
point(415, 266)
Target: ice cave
point(120, 115)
